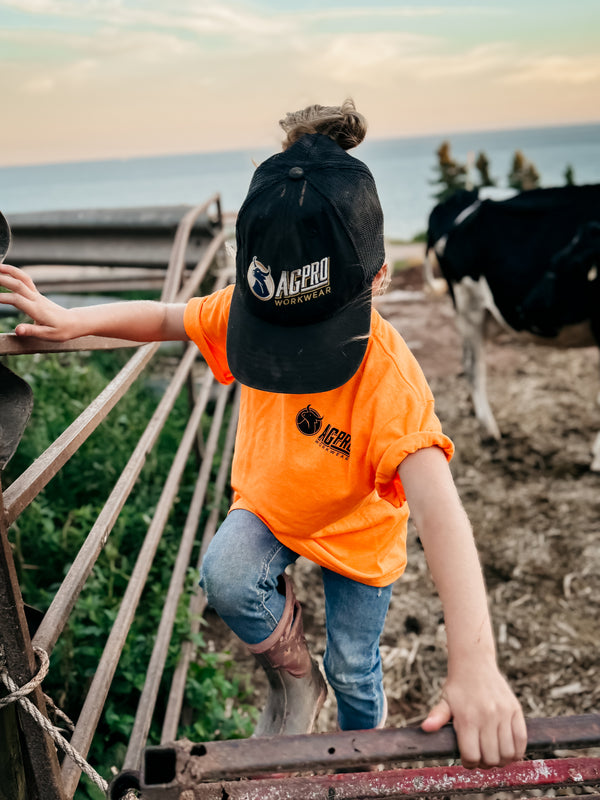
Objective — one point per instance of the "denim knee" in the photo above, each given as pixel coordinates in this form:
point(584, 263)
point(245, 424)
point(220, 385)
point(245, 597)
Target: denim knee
point(223, 586)
point(239, 575)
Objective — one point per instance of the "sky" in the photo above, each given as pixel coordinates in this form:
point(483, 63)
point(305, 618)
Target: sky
point(95, 79)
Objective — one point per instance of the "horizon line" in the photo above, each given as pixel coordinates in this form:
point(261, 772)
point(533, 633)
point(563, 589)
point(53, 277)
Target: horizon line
point(264, 146)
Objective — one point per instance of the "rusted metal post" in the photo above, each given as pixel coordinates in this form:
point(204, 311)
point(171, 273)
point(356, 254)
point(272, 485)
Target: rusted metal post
point(38, 754)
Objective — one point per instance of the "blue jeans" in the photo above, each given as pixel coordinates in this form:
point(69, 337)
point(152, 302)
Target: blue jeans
point(239, 575)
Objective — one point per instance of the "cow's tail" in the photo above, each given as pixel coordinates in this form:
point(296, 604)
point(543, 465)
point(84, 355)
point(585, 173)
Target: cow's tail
point(433, 285)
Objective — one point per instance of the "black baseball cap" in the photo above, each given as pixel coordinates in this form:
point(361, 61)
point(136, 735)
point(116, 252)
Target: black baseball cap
point(309, 243)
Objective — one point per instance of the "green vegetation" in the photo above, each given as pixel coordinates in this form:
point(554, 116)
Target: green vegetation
point(49, 533)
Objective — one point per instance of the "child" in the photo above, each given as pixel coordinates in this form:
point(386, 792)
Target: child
point(337, 438)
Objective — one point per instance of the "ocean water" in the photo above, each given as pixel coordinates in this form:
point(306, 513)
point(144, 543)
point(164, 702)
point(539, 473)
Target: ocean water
point(404, 169)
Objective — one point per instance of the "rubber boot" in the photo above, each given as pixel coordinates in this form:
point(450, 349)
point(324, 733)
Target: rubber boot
point(297, 689)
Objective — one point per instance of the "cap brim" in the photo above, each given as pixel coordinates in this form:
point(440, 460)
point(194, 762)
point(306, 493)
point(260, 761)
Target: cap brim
point(303, 359)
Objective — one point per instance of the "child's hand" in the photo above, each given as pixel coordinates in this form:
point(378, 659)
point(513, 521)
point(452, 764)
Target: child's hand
point(51, 321)
point(487, 718)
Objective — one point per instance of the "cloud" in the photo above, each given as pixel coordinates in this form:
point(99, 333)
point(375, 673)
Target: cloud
point(39, 84)
point(384, 57)
point(559, 70)
point(406, 12)
point(181, 15)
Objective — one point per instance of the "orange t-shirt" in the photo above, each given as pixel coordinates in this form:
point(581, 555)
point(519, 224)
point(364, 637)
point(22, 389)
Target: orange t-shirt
point(320, 470)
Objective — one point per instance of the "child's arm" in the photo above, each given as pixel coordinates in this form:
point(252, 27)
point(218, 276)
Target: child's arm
point(486, 715)
point(137, 320)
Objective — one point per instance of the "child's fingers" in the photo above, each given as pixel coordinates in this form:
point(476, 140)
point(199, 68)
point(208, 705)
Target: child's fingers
point(39, 331)
point(509, 747)
point(20, 301)
point(519, 732)
point(439, 716)
point(17, 277)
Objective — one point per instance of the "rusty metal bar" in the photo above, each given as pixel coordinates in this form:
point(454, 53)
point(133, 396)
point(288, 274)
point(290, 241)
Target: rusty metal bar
point(198, 599)
point(70, 589)
point(244, 757)
point(177, 258)
point(147, 702)
point(40, 767)
point(198, 273)
point(29, 484)
point(99, 688)
point(396, 783)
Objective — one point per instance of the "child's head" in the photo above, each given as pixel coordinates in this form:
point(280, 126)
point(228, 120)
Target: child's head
point(309, 244)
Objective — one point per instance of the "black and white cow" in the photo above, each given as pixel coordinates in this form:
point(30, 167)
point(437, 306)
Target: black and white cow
point(532, 261)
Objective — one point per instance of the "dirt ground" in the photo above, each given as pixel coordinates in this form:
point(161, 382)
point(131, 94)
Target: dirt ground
point(535, 510)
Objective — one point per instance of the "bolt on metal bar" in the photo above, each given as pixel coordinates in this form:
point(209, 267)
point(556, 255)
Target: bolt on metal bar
point(147, 701)
point(100, 686)
point(198, 599)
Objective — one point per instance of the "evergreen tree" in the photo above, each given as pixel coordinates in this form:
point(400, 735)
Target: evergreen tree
point(523, 174)
point(569, 175)
point(452, 175)
point(483, 167)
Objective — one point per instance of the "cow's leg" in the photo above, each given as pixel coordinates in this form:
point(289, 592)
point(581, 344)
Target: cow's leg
point(471, 311)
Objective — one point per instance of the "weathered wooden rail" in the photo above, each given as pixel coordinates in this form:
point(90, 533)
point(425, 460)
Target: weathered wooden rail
point(121, 237)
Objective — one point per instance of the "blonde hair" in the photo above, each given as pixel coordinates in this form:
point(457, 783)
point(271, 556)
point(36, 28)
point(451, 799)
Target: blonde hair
point(382, 280)
point(344, 124)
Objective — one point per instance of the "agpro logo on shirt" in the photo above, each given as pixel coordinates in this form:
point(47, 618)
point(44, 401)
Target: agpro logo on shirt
point(294, 286)
point(334, 440)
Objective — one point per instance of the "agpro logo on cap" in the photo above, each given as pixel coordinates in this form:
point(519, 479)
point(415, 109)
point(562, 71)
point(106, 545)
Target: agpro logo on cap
point(308, 282)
